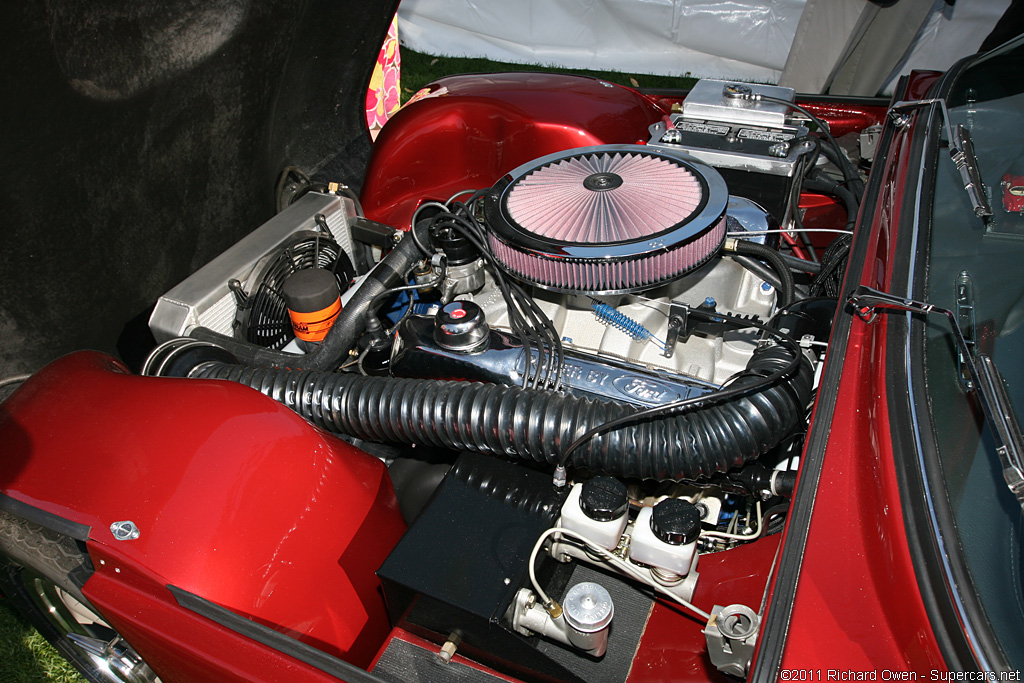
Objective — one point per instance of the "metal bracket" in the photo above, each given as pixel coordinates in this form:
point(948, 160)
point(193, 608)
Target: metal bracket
point(961, 149)
point(684, 321)
point(1004, 423)
point(965, 319)
point(731, 635)
point(241, 298)
point(676, 321)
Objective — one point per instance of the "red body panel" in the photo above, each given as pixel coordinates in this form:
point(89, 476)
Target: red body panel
point(858, 606)
point(474, 129)
point(178, 644)
point(844, 119)
point(673, 647)
point(239, 500)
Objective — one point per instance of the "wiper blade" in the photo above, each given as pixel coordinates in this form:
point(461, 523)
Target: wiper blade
point(986, 381)
point(1004, 422)
point(961, 150)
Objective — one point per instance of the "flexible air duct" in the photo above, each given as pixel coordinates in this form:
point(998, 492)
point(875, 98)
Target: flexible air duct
point(533, 424)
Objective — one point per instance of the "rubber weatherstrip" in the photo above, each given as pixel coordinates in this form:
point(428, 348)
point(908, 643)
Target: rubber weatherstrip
point(48, 520)
point(271, 638)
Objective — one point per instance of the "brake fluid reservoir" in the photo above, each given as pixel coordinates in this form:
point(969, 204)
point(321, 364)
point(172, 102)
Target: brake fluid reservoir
point(598, 509)
point(665, 536)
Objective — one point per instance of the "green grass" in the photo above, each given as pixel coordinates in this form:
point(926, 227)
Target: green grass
point(419, 69)
point(26, 657)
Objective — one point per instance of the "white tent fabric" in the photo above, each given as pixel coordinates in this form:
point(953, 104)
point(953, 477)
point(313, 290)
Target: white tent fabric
point(951, 32)
point(743, 39)
point(820, 42)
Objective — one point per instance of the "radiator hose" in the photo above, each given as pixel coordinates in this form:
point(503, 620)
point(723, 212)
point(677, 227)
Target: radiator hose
point(535, 424)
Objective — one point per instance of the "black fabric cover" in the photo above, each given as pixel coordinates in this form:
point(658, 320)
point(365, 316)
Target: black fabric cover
point(139, 140)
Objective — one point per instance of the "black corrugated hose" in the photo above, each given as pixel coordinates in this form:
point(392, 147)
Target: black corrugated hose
point(538, 425)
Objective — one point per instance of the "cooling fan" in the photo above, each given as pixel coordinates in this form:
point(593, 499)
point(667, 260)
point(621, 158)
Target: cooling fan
point(262, 316)
point(609, 219)
point(210, 297)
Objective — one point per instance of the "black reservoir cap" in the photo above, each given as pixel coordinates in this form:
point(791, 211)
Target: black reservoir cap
point(310, 290)
point(603, 499)
point(675, 521)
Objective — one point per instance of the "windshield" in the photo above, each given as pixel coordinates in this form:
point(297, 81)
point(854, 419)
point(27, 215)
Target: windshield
point(976, 267)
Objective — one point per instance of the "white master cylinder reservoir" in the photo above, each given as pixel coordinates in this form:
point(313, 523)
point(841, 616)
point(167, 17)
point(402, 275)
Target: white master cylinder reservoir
point(598, 509)
point(665, 536)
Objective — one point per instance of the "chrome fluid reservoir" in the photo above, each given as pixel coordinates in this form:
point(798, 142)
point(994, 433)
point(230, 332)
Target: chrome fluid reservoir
point(460, 326)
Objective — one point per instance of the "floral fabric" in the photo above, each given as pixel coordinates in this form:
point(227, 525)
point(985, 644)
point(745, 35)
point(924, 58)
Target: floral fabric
point(383, 97)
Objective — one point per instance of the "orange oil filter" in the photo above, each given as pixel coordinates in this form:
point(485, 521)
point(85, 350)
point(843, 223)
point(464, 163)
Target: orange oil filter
point(313, 302)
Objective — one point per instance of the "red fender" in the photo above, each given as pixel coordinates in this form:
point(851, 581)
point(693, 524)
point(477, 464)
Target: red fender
point(238, 500)
point(471, 130)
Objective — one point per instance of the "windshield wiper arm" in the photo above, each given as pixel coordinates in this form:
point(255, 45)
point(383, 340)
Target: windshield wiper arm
point(986, 381)
point(961, 151)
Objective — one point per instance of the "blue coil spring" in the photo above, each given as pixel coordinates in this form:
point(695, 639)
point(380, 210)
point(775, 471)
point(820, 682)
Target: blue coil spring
point(620, 321)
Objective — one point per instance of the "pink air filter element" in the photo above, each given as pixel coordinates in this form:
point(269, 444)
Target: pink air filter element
point(606, 219)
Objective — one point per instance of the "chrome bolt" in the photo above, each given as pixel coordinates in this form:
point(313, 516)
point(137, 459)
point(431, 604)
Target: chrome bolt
point(125, 531)
point(672, 136)
point(901, 120)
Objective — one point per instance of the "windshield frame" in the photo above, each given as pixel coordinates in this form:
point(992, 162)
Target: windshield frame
point(930, 518)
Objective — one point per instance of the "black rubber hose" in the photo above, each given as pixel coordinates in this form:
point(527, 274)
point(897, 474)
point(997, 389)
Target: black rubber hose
point(759, 269)
point(850, 177)
point(832, 151)
point(787, 287)
point(821, 182)
point(755, 478)
point(537, 425)
point(392, 271)
point(785, 483)
point(800, 265)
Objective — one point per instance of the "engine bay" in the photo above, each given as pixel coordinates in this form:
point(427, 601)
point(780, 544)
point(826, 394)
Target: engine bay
point(589, 375)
